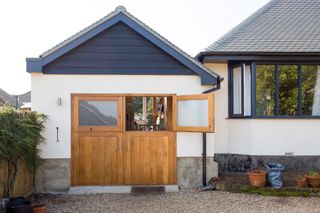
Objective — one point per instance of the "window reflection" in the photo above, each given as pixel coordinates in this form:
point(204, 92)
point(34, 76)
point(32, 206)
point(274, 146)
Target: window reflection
point(288, 90)
point(98, 113)
point(311, 90)
point(265, 90)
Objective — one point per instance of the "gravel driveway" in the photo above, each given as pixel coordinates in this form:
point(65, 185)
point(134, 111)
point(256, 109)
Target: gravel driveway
point(184, 201)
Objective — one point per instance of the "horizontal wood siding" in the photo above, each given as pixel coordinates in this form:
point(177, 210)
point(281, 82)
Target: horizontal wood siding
point(117, 50)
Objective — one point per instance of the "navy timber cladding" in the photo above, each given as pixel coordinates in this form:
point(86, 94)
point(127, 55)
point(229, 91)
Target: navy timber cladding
point(117, 50)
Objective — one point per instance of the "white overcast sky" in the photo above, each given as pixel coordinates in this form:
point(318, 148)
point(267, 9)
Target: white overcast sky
point(28, 28)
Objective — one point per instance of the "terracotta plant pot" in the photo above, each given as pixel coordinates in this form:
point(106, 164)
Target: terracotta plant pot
point(301, 182)
point(257, 178)
point(40, 208)
point(313, 181)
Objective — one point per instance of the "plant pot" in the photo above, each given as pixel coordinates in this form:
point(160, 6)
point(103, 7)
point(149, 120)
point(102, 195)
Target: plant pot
point(313, 181)
point(39, 208)
point(301, 182)
point(18, 205)
point(257, 178)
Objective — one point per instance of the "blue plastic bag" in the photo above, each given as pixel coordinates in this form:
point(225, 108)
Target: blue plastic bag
point(274, 170)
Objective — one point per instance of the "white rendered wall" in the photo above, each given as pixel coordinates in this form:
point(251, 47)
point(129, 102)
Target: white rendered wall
point(260, 136)
point(47, 88)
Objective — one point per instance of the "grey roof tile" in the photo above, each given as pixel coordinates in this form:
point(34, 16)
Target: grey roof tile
point(279, 26)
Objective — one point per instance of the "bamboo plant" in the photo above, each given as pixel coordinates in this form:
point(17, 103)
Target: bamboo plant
point(20, 136)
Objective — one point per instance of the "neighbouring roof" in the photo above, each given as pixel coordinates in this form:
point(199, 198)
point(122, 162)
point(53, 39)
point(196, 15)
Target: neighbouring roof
point(281, 26)
point(121, 15)
point(26, 106)
point(6, 98)
point(23, 99)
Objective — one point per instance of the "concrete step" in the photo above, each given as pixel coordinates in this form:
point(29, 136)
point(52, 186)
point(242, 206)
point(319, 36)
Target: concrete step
point(77, 190)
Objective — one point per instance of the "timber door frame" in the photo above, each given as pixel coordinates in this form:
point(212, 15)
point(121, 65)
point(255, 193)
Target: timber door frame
point(123, 134)
point(76, 129)
point(119, 129)
point(76, 98)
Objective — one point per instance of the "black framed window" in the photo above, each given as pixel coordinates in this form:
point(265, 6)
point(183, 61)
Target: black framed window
point(240, 90)
point(271, 90)
point(310, 90)
point(237, 90)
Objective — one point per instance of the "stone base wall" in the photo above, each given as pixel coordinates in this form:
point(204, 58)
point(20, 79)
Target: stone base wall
point(53, 176)
point(243, 163)
point(189, 171)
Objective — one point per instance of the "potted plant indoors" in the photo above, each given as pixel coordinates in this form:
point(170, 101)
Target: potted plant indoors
point(257, 177)
point(20, 135)
point(313, 178)
point(301, 181)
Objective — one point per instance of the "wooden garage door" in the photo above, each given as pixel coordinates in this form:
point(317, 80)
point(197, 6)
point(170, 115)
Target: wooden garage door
point(103, 153)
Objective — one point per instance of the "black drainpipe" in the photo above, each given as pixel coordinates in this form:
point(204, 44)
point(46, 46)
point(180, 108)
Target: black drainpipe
point(204, 139)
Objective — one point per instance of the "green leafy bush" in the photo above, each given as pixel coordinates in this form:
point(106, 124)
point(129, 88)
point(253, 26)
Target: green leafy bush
point(313, 173)
point(20, 136)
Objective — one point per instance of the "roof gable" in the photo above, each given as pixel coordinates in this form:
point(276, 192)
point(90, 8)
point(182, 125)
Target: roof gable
point(286, 26)
point(117, 50)
point(121, 15)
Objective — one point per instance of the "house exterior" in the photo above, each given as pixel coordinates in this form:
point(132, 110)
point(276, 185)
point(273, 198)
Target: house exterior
point(269, 101)
point(125, 107)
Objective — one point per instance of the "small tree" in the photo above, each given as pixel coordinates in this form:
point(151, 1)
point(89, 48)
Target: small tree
point(20, 136)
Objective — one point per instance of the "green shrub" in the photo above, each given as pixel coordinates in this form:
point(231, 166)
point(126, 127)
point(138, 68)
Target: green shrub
point(275, 192)
point(313, 173)
point(20, 136)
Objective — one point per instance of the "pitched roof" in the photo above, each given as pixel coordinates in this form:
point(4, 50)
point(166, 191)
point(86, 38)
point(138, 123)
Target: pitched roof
point(6, 98)
point(25, 98)
point(120, 14)
point(287, 26)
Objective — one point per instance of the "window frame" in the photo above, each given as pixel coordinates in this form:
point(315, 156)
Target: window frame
point(87, 97)
point(231, 106)
point(253, 65)
point(211, 120)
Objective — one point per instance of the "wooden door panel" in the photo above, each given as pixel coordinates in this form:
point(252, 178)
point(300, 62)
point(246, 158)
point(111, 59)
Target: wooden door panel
point(150, 158)
point(97, 158)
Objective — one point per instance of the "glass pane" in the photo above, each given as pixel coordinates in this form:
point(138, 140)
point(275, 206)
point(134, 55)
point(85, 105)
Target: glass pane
point(98, 113)
point(311, 90)
point(237, 102)
point(288, 90)
point(247, 90)
point(147, 113)
point(265, 90)
point(143, 110)
point(193, 113)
